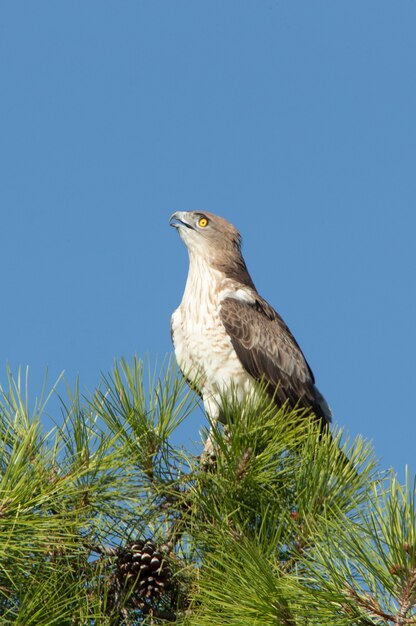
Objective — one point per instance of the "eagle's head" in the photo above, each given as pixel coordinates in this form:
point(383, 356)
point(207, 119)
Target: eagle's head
point(205, 234)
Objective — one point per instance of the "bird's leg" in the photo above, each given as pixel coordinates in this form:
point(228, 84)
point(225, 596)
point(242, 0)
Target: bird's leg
point(209, 454)
point(213, 413)
point(227, 434)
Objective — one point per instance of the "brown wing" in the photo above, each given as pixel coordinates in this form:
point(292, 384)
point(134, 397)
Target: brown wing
point(270, 353)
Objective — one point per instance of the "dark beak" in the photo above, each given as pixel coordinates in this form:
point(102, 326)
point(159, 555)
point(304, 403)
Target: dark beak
point(177, 221)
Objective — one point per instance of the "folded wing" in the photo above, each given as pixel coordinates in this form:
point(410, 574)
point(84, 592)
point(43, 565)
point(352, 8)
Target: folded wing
point(270, 353)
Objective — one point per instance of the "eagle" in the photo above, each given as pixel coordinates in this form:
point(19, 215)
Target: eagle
point(225, 335)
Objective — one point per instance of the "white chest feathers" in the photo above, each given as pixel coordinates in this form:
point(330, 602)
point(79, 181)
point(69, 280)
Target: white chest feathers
point(203, 348)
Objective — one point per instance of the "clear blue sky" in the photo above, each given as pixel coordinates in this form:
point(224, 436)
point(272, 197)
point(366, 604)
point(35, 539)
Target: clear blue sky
point(294, 120)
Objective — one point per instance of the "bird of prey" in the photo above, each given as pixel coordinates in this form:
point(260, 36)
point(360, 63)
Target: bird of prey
point(225, 335)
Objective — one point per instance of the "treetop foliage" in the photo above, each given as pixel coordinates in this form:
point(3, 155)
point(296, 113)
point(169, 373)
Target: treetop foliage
point(104, 520)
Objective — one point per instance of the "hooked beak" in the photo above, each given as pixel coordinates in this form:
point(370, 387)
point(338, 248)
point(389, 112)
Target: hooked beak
point(177, 220)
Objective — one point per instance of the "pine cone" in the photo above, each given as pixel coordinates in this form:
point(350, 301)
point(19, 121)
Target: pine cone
point(144, 567)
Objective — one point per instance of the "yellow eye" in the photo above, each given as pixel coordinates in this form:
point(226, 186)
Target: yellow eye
point(202, 222)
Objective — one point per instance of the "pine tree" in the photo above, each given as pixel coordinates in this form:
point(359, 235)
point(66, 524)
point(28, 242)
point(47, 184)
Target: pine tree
point(104, 521)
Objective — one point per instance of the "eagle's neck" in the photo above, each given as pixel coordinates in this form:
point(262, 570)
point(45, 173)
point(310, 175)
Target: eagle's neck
point(204, 283)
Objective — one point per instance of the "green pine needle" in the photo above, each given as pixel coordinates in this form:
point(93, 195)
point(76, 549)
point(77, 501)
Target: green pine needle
point(280, 530)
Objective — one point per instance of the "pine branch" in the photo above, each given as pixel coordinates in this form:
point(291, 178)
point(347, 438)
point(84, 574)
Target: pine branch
point(278, 532)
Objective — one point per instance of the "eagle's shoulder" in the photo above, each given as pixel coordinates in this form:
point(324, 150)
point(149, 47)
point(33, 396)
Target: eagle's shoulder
point(268, 350)
point(254, 326)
